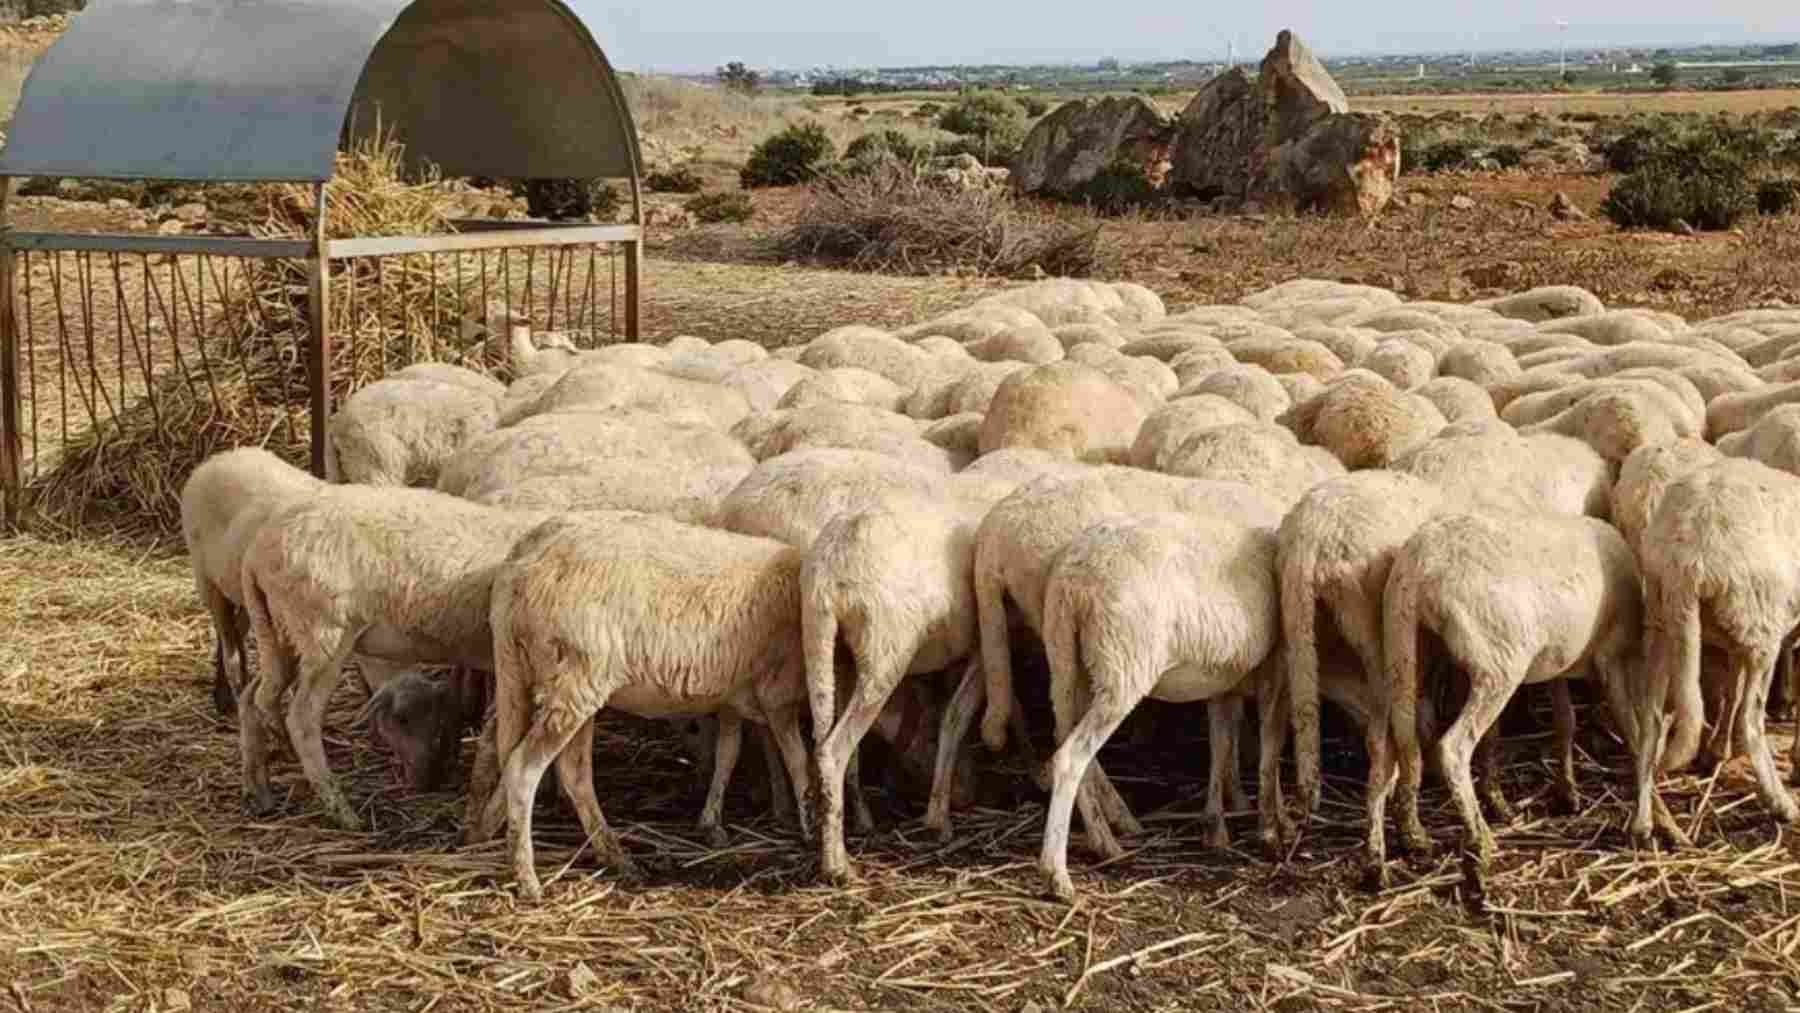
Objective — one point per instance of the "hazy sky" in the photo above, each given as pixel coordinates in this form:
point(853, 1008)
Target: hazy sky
point(701, 34)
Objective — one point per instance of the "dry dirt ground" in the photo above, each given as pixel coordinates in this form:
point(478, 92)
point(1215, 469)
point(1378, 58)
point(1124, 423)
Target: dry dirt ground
point(129, 880)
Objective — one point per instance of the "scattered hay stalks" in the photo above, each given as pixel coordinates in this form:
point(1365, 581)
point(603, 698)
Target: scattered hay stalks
point(894, 219)
point(245, 380)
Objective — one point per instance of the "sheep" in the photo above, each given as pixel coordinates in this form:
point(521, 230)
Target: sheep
point(604, 385)
point(1175, 606)
point(569, 442)
point(1502, 469)
point(791, 497)
point(1064, 407)
point(845, 383)
point(1167, 346)
point(1199, 362)
point(1250, 387)
point(1351, 346)
point(1287, 354)
point(893, 582)
point(766, 381)
point(1364, 421)
point(967, 390)
point(521, 398)
point(1261, 454)
point(1550, 302)
point(1304, 289)
point(1299, 386)
point(1646, 475)
point(1717, 379)
point(1138, 305)
point(713, 363)
point(401, 432)
point(1513, 599)
point(1165, 429)
point(1774, 440)
point(870, 349)
point(420, 720)
point(1482, 362)
point(1019, 541)
point(400, 575)
point(1458, 399)
point(691, 493)
point(1396, 320)
point(1615, 327)
point(1402, 363)
point(647, 615)
point(1717, 569)
point(1334, 550)
point(959, 434)
point(840, 424)
point(459, 376)
point(1032, 344)
point(1733, 412)
point(1665, 392)
point(1148, 379)
point(224, 500)
point(1019, 465)
point(1615, 423)
point(1073, 336)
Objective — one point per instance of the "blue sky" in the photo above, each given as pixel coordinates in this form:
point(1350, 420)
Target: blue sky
point(700, 34)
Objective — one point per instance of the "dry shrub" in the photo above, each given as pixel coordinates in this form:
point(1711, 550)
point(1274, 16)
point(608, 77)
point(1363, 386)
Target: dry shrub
point(898, 220)
point(246, 382)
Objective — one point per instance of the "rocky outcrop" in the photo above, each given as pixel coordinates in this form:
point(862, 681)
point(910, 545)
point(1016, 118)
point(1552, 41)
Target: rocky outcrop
point(1345, 164)
point(1285, 139)
point(1073, 144)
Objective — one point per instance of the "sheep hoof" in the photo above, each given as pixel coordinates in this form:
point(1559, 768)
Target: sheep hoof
point(258, 802)
point(716, 836)
point(993, 733)
point(1375, 876)
point(531, 890)
point(1060, 885)
point(1217, 837)
point(626, 869)
point(1564, 801)
point(837, 875)
point(224, 700)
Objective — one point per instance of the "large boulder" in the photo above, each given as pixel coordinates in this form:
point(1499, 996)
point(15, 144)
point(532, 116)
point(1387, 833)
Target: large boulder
point(1345, 164)
point(1288, 138)
point(1215, 135)
point(1073, 144)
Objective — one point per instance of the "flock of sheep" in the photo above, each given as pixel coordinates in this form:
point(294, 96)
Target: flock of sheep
point(1322, 491)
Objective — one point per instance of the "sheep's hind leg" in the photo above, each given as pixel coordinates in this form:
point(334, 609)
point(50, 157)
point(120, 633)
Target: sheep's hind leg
point(784, 726)
point(1223, 715)
point(1564, 796)
point(781, 791)
point(1069, 768)
point(836, 755)
point(575, 772)
point(1755, 669)
point(1488, 695)
point(524, 768)
point(959, 717)
point(725, 756)
point(319, 673)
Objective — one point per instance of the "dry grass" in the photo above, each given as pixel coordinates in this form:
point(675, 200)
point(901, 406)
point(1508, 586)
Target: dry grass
point(1552, 103)
point(893, 219)
point(132, 882)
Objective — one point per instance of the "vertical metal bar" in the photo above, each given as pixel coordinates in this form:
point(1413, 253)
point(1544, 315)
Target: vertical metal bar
point(318, 303)
point(530, 271)
point(612, 301)
point(10, 444)
point(431, 293)
point(634, 276)
point(31, 375)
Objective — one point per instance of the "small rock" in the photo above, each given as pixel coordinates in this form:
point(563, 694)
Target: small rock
point(1462, 202)
point(582, 980)
point(1564, 210)
point(772, 993)
point(118, 203)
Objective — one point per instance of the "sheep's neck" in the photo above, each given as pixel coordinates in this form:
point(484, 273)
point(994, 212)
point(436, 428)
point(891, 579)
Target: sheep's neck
point(523, 351)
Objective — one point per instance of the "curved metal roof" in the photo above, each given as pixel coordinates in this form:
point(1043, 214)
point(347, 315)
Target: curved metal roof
point(248, 90)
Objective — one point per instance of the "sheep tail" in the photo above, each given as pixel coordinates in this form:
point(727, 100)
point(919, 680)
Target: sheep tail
point(1299, 602)
point(1395, 704)
point(996, 655)
point(1062, 621)
point(819, 633)
point(1681, 650)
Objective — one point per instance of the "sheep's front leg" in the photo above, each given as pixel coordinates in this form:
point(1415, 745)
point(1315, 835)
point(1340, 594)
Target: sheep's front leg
point(784, 725)
point(484, 782)
point(1272, 710)
point(1487, 757)
point(781, 792)
point(319, 674)
point(1223, 715)
point(725, 756)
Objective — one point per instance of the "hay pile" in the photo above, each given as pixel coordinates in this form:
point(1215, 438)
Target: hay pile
point(246, 381)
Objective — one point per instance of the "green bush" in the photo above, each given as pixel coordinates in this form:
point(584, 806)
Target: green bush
point(982, 114)
point(678, 179)
point(998, 148)
point(795, 155)
point(1777, 195)
point(1636, 146)
point(725, 206)
point(1448, 154)
point(882, 143)
point(1507, 156)
point(928, 110)
point(1116, 189)
point(1034, 106)
point(1708, 193)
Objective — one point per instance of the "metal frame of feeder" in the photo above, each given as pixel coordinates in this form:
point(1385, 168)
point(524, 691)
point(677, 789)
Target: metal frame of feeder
point(224, 91)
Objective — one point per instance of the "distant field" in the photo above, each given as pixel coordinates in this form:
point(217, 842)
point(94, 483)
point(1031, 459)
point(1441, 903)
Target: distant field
point(1586, 102)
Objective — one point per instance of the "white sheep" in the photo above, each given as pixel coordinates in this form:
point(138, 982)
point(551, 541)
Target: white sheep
point(1458, 399)
point(1065, 407)
point(1774, 440)
point(691, 493)
point(649, 616)
point(1250, 387)
point(224, 501)
point(460, 376)
point(401, 432)
point(608, 386)
point(1260, 454)
point(568, 442)
point(1505, 470)
point(845, 383)
point(1173, 606)
point(867, 348)
point(1364, 421)
point(1167, 427)
point(398, 575)
point(1550, 302)
point(1718, 569)
point(1733, 412)
point(1513, 599)
point(841, 424)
